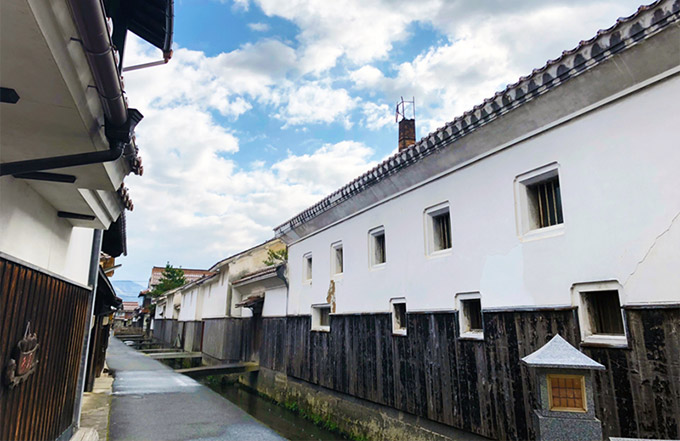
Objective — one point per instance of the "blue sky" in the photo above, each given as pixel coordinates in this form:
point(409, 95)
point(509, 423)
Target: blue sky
point(269, 105)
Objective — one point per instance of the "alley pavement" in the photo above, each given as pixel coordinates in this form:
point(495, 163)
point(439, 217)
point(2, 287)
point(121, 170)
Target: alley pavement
point(152, 402)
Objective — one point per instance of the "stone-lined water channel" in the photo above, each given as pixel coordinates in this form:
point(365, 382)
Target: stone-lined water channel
point(286, 422)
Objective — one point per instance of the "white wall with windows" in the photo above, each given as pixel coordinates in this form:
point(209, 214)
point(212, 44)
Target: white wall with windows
point(617, 170)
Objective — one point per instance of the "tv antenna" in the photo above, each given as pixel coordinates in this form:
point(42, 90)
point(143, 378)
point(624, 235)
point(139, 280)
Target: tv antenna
point(405, 108)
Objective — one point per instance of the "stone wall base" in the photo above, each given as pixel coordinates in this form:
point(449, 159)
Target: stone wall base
point(359, 418)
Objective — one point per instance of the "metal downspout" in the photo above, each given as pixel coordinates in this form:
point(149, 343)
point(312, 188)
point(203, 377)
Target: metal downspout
point(91, 24)
point(91, 281)
point(36, 165)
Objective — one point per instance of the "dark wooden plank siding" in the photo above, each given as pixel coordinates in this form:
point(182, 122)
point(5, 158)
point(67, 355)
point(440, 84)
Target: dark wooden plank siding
point(228, 339)
point(41, 407)
point(192, 333)
point(159, 329)
point(639, 393)
point(482, 386)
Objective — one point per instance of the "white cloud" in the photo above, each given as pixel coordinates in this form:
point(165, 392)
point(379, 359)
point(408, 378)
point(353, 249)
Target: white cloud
point(195, 204)
point(367, 76)
point(243, 5)
point(227, 82)
point(377, 116)
point(193, 207)
point(359, 30)
point(326, 169)
point(314, 102)
point(259, 27)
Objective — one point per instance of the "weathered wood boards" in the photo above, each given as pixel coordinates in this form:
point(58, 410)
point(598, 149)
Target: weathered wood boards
point(220, 369)
point(41, 407)
point(481, 386)
point(174, 355)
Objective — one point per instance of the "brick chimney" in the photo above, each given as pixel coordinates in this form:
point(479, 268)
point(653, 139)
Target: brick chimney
point(407, 126)
point(407, 133)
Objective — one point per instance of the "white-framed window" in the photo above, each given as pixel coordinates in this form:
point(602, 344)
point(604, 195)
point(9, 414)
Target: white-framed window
point(470, 315)
point(377, 254)
point(321, 320)
point(438, 228)
point(336, 259)
point(398, 307)
point(539, 202)
point(600, 315)
point(307, 268)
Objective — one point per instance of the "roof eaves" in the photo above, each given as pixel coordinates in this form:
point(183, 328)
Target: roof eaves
point(257, 275)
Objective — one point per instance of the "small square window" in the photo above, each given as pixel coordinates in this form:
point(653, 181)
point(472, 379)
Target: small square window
point(376, 247)
point(336, 259)
point(321, 317)
point(470, 316)
point(438, 225)
point(307, 267)
point(539, 200)
point(567, 393)
point(398, 316)
point(604, 312)
point(545, 203)
point(600, 313)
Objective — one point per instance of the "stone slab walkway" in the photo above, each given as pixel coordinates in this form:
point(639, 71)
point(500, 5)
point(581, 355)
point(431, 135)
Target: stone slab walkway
point(152, 402)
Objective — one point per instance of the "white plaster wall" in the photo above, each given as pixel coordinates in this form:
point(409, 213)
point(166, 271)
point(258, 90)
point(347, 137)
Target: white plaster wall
point(215, 297)
point(30, 230)
point(187, 312)
point(161, 310)
point(275, 302)
point(177, 305)
point(620, 184)
point(238, 294)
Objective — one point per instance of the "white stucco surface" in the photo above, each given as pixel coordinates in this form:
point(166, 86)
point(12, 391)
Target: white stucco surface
point(31, 231)
point(215, 297)
point(191, 303)
point(618, 172)
point(275, 302)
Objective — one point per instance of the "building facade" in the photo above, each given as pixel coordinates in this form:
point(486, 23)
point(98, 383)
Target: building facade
point(551, 208)
point(67, 144)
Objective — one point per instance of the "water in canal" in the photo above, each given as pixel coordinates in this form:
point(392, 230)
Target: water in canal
point(285, 422)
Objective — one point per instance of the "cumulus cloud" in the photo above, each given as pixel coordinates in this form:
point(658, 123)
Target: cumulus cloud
point(359, 30)
point(314, 102)
point(377, 116)
point(228, 82)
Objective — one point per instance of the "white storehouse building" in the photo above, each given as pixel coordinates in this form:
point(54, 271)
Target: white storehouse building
point(551, 208)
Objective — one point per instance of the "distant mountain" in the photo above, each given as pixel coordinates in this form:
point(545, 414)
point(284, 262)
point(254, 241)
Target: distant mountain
point(127, 289)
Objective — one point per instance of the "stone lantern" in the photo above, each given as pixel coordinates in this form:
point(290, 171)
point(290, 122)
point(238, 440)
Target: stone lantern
point(565, 393)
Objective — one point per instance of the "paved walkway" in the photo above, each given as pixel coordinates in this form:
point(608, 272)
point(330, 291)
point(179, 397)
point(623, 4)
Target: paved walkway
point(152, 402)
point(96, 406)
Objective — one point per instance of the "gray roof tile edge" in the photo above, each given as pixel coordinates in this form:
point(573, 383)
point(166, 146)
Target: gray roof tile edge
point(626, 32)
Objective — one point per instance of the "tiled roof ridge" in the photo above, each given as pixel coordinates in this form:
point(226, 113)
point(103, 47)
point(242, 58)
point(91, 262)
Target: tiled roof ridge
point(626, 32)
point(179, 267)
point(216, 266)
